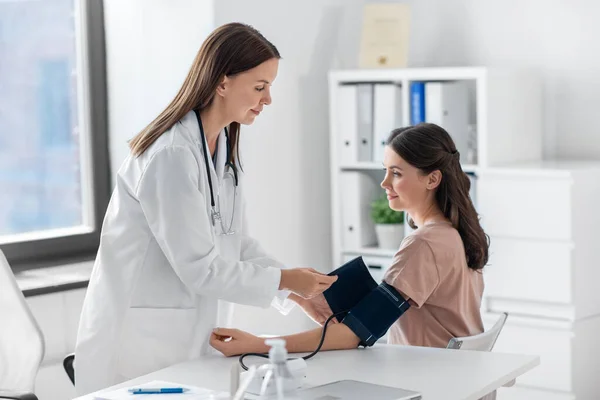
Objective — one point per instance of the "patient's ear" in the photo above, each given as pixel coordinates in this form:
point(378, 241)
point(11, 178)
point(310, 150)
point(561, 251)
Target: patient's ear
point(434, 179)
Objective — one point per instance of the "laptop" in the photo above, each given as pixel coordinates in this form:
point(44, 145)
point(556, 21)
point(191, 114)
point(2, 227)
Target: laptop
point(356, 390)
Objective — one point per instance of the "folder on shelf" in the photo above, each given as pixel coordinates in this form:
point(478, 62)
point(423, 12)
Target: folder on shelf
point(346, 123)
point(417, 102)
point(365, 121)
point(357, 191)
point(387, 115)
point(447, 105)
point(355, 123)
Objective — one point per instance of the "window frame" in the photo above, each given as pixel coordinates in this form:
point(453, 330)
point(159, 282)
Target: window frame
point(65, 249)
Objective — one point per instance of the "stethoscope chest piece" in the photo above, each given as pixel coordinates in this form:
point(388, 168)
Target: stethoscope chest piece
point(215, 213)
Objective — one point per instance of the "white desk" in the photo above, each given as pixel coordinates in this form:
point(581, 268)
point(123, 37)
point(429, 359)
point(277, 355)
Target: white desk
point(439, 374)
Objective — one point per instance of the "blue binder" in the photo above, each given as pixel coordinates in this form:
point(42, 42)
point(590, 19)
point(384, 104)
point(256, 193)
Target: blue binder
point(417, 102)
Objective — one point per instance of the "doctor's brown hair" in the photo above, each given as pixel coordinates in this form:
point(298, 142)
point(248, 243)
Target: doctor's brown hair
point(429, 147)
point(229, 50)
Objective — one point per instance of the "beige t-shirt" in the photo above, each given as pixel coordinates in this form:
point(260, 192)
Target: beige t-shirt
point(431, 269)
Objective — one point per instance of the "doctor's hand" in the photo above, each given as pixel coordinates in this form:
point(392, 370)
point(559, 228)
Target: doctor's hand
point(233, 342)
point(305, 282)
point(316, 308)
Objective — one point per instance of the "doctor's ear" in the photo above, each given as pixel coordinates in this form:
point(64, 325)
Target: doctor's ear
point(223, 85)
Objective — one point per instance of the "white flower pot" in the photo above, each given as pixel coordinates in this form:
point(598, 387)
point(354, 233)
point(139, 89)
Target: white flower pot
point(389, 236)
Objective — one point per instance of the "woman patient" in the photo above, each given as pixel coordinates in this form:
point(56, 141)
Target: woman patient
point(438, 266)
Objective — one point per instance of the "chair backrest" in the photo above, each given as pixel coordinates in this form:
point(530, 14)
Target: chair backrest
point(21, 340)
point(483, 342)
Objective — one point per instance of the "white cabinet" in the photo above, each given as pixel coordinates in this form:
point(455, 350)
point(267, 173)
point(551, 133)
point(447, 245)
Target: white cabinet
point(516, 263)
point(542, 220)
point(568, 357)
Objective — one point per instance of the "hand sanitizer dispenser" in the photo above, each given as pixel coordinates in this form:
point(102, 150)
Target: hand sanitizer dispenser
point(278, 379)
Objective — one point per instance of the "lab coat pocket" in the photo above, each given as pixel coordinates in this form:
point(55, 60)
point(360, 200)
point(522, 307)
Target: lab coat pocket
point(154, 338)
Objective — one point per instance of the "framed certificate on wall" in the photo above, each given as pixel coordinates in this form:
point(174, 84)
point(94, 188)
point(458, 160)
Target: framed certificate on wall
point(385, 34)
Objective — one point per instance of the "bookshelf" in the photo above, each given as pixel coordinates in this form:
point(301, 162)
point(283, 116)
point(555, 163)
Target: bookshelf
point(503, 105)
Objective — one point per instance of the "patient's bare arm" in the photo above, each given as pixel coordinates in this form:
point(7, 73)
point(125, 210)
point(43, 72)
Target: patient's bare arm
point(233, 342)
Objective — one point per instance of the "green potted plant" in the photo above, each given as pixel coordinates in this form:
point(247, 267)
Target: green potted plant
point(389, 224)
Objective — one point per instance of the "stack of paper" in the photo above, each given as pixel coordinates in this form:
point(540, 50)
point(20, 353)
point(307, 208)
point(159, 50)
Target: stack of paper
point(190, 393)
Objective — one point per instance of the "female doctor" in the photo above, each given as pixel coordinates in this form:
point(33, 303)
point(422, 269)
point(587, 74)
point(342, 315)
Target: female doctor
point(174, 239)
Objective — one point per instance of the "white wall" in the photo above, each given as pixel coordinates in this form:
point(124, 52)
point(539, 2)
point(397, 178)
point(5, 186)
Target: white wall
point(150, 45)
point(556, 37)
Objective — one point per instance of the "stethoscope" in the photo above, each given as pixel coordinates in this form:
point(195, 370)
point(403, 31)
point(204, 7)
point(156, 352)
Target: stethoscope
point(216, 213)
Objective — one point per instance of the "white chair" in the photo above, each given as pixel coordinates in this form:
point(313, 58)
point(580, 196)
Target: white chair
point(21, 340)
point(481, 342)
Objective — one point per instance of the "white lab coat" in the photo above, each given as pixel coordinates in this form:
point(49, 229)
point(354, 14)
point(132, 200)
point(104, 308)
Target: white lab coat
point(162, 279)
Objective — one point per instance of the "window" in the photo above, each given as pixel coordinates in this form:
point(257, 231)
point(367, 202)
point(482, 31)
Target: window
point(54, 170)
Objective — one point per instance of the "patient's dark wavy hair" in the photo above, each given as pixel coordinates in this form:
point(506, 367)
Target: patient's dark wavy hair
point(429, 147)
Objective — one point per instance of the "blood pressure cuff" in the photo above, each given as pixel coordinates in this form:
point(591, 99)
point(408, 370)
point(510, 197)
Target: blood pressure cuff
point(376, 313)
point(366, 308)
point(354, 283)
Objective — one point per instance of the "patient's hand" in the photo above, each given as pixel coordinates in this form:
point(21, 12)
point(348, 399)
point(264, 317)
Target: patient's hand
point(316, 308)
point(232, 342)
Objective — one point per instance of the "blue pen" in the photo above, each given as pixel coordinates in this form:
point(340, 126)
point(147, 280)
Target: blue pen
point(157, 390)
